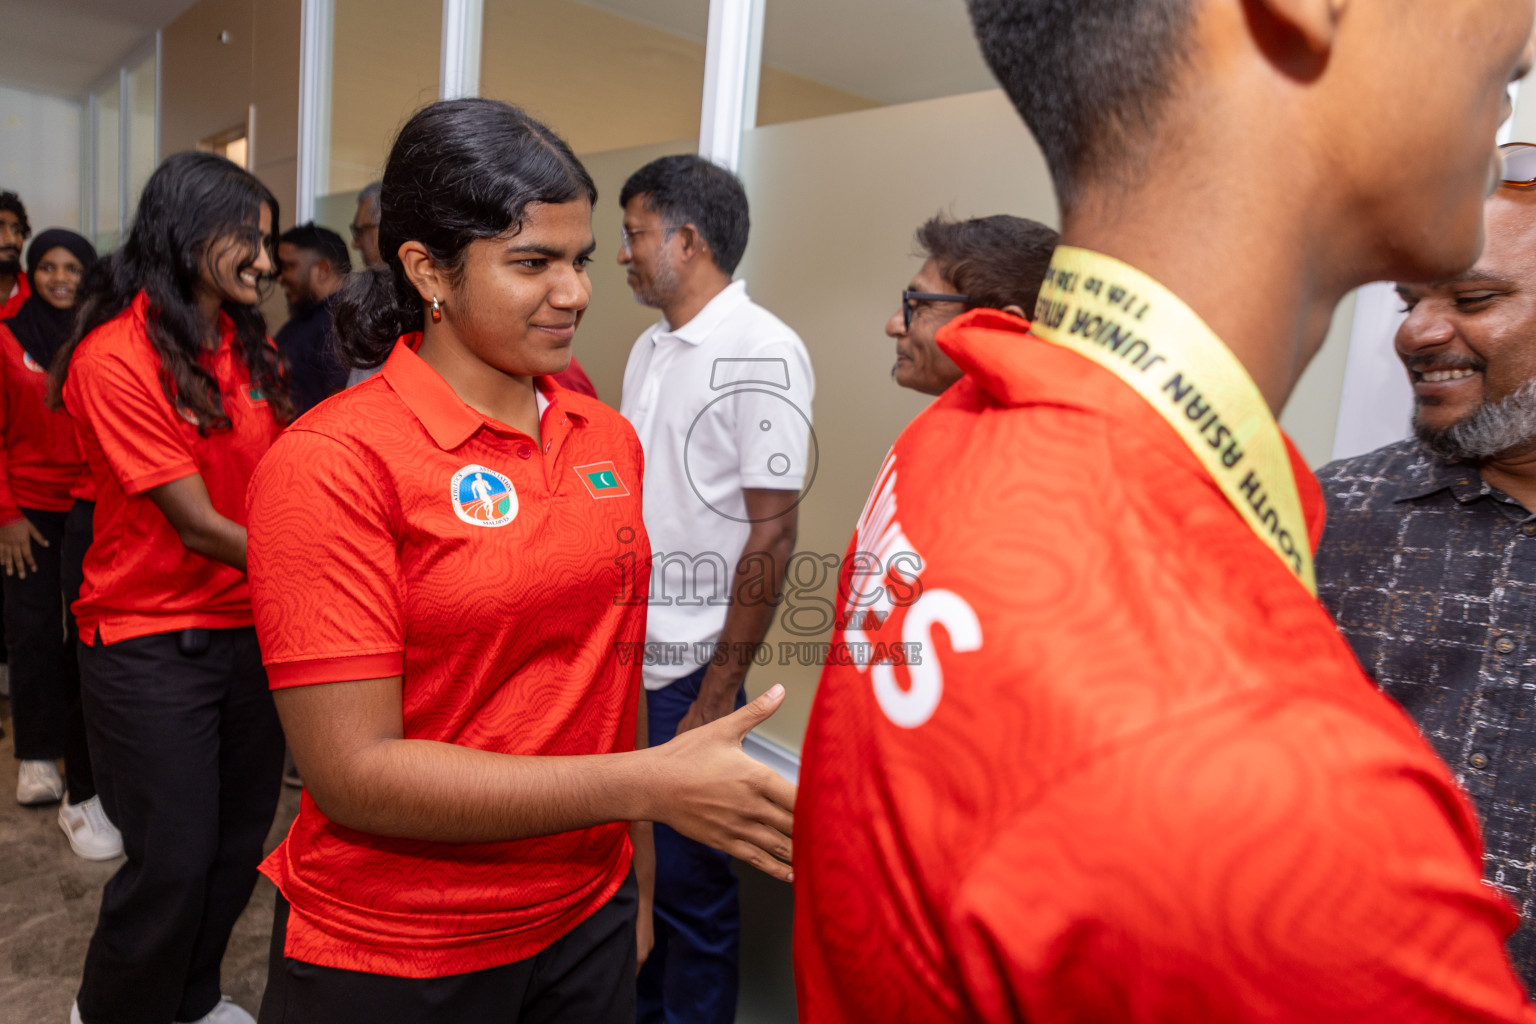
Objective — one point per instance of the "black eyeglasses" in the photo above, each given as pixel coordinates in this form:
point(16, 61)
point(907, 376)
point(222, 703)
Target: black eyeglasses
point(1519, 164)
point(359, 230)
point(910, 301)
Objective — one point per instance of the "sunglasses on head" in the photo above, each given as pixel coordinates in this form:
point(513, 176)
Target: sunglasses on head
point(1519, 164)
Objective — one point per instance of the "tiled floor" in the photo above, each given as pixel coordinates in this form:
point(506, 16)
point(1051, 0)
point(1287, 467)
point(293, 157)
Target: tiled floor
point(48, 901)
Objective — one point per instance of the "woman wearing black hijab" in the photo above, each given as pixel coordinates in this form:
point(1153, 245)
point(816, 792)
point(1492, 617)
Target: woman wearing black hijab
point(40, 466)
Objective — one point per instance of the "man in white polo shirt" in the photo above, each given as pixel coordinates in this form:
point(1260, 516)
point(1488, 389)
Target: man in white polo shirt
point(720, 393)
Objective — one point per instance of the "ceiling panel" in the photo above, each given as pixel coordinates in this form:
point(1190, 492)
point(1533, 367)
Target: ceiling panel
point(891, 51)
point(62, 46)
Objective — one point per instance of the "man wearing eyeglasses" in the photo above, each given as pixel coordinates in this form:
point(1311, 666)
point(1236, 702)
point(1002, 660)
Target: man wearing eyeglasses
point(1428, 561)
point(993, 262)
point(365, 224)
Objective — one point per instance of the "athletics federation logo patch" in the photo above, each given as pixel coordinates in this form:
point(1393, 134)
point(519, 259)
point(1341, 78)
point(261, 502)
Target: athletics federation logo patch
point(602, 480)
point(483, 497)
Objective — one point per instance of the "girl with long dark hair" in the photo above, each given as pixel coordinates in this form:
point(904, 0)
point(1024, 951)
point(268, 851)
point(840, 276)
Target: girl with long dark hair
point(176, 394)
point(40, 467)
point(449, 571)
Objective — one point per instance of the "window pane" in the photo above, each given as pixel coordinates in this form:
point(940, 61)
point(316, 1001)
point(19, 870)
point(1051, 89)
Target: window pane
point(605, 75)
point(108, 196)
point(141, 129)
point(385, 58)
point(834, 56)
point(385, 68)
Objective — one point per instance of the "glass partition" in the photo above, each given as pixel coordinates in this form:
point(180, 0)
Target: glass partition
point(605, 75)
point(834, 56)
point(142, 155)
point(106, 142)
point(384, 67)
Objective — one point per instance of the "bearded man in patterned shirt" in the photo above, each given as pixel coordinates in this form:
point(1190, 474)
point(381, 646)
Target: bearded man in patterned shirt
point(1428, 560)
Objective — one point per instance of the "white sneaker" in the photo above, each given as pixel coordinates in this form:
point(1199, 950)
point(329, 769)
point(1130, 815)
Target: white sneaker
point(91, 834)
point(38, 782)
point(226, 1012)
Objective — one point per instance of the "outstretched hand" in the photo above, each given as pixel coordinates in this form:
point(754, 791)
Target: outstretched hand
point(714, 793)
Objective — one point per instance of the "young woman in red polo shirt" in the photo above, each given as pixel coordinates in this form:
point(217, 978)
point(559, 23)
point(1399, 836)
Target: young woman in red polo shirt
point(448, 566)
point(176, 393)
point(42, 470)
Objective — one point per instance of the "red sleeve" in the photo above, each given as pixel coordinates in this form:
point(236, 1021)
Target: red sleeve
point(1241, 874)
point(142, 437)
point(574, 378)
point(321, 554)
point(11, 306)
point(9, 511)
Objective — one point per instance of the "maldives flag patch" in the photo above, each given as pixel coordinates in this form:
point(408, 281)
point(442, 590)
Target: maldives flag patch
point(602, 480)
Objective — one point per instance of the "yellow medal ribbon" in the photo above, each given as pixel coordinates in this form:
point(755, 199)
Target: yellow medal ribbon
point(1120, 318)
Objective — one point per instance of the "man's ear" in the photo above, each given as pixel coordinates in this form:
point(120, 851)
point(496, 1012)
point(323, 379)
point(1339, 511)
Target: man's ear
point(1296, 35)
point(693, 244)
point(423, 272)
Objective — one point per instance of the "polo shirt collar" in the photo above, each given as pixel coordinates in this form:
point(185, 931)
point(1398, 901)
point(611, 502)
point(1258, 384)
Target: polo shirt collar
point(1428, 475)
point(447, 417)
point(698, 330)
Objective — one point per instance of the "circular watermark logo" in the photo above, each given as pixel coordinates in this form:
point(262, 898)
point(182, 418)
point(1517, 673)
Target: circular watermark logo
point(779, 419)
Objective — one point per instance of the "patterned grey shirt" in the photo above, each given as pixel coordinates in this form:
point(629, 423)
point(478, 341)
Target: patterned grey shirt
point(1431, 575)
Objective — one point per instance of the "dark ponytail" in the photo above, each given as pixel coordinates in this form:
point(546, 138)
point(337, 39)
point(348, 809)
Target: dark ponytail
point(191, 202)
point(459, 171)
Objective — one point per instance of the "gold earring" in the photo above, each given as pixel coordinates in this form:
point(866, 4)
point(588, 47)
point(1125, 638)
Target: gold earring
point(437, 310)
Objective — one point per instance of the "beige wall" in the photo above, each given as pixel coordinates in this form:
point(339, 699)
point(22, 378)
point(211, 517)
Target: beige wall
point(783, 97)
point(605, 82)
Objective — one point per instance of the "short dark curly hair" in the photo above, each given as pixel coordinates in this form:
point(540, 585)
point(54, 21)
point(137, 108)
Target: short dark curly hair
point(997, 261)
point(11, 201)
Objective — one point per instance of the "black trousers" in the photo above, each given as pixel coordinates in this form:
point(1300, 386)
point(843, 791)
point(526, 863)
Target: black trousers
point(586, 977)
point(42, 666)
point(77, 749)
point(189, 757)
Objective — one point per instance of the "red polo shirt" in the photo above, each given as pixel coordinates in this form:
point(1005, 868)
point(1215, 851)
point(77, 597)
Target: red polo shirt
point(39, 461)
point(139, 577)
point(1133, 774)
point(396, 531)
point(11, 305)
